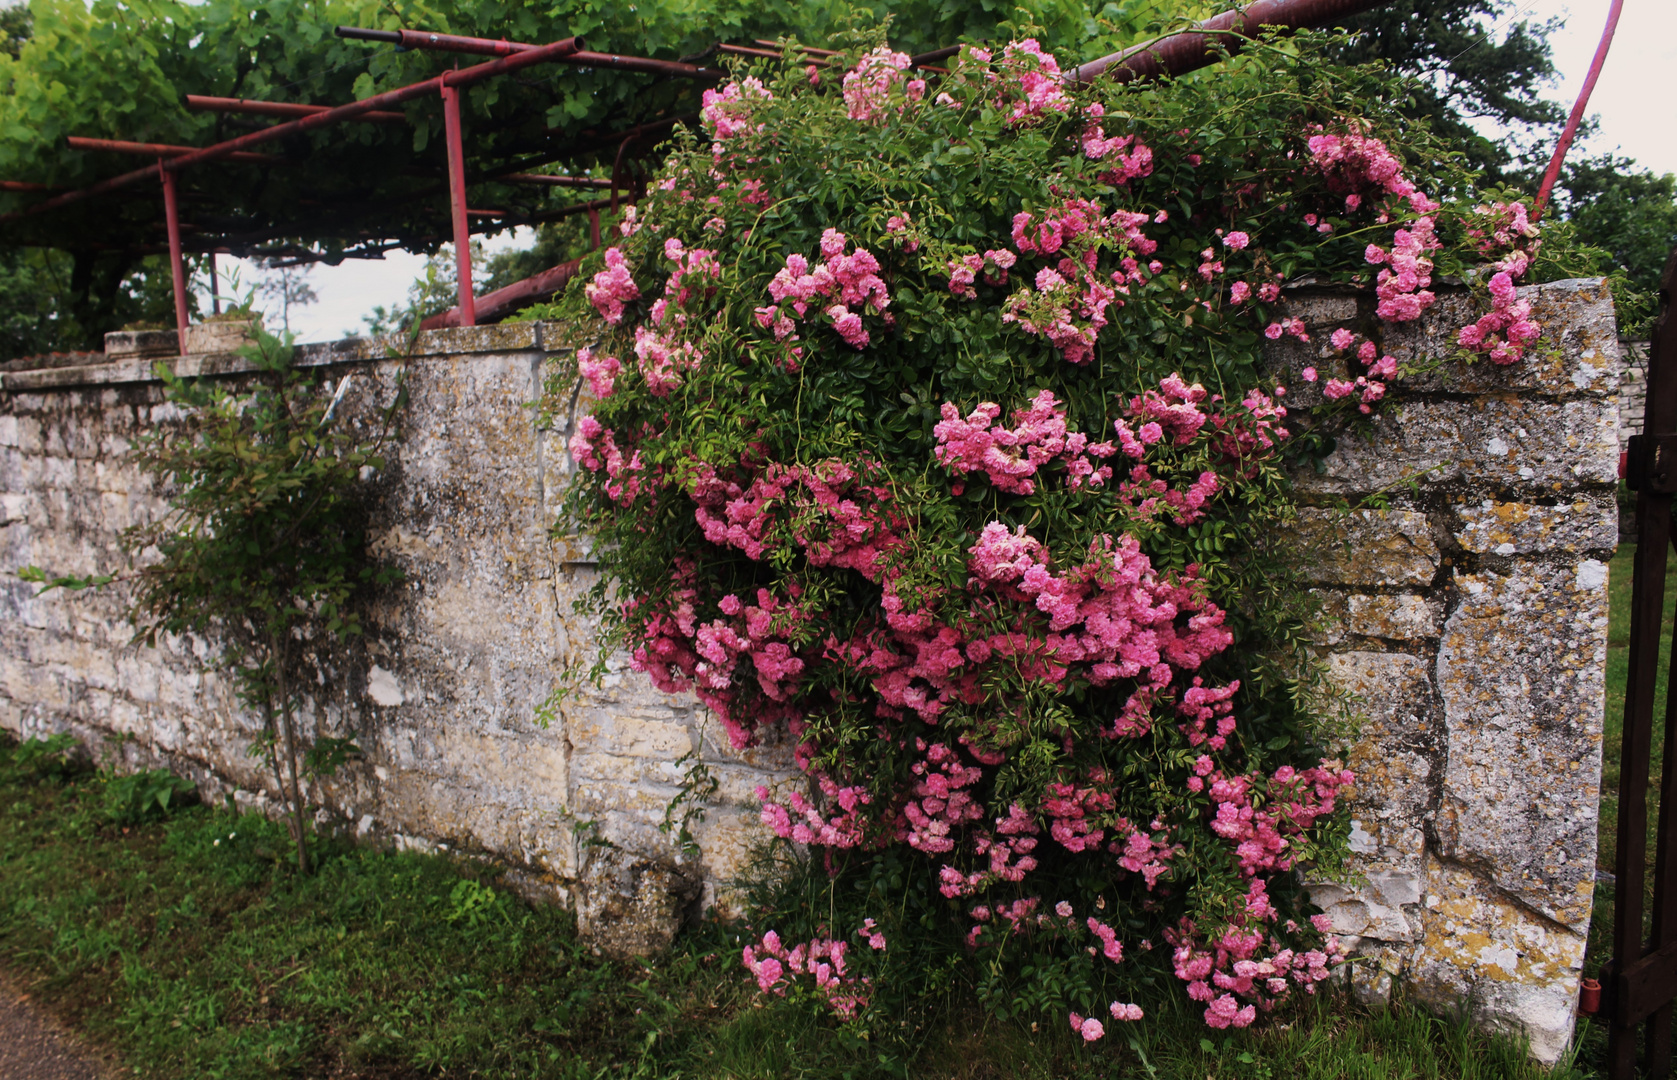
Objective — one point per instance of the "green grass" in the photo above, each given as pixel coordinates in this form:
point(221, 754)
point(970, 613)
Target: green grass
point(187, 945)
point(1618, 662)
point(1592, 1035)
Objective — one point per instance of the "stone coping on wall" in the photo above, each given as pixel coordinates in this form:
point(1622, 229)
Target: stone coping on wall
point(87, 369)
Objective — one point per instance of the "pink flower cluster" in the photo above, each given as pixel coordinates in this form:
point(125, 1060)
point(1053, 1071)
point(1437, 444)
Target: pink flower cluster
point(828, 510)
point(1092, 1029)
point(1369, 387)
point(1402, 286)
point(728, 113)
point(801, 822)
point(1259, 834)
point(1356, 165)
point(1127, 164)
point(1113, 615)
point(777, 968)
point(595, 448)
point(938, 806)
point(1030, 80)
point(1009, 855)
point(1073, 811)
point(612, 288)
point(852, 281)
point(601, 372)
point(869, 87)
point(1010, 457)
point(679, 652)
point(1237, 965)
point(1144, 851)
point(1507, 329)
point(1172, 416)
point(993, 264)
point(696, 272)
point(1069, 303)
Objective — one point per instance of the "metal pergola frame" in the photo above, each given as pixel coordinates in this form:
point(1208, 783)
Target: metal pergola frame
point(1172, 54)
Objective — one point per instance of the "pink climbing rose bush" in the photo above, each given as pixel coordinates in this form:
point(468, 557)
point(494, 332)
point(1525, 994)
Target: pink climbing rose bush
point(933, 436)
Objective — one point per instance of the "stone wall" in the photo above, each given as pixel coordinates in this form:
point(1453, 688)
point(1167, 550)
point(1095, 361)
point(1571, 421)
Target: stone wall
point(444, 690)
point(1633, 389)
point(1459, 548)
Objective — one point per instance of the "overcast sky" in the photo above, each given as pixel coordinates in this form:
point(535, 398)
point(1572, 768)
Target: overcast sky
point(1633, 100)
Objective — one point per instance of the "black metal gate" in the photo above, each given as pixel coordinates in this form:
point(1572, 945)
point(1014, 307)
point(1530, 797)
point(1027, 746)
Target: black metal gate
point(1642, 979)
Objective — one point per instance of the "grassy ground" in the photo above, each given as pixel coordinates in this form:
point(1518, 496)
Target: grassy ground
point(1618, 660)
point(187, 944)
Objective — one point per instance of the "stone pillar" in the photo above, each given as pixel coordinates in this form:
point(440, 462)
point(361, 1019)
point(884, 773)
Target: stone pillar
point(1460, 544)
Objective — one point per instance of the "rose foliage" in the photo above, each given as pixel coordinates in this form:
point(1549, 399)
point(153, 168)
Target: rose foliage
point(927, 430)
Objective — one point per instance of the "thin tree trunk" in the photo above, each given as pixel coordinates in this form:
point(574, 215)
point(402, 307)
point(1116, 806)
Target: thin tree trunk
point(272, 729)
point(280, 659)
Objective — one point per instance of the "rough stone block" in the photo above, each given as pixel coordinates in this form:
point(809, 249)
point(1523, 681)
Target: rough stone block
point(1585, 524)
point(1521, 673)
point(1387, 907)
point(1366, 547)
point(1400, 736)
point(1492, 442)
point(499, 338)
point(631, 906)
point(1517, 971)
point(1399, 617)
point(1576, 356)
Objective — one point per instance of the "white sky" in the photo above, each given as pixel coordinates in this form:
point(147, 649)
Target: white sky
point(1633, 99)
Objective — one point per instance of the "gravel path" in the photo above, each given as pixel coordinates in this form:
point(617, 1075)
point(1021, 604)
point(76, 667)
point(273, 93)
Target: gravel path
point(33, 1046)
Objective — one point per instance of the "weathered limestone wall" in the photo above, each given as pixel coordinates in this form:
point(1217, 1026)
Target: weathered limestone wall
point(1470, 600)
point(1462, 548)
point(442, 694)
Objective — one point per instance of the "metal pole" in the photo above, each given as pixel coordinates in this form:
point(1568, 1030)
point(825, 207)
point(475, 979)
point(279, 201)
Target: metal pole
point(286, 109)
point(1653, 475)
point(1193, 49)
point(177, 270)
point(457, 203)
point(1553, 173)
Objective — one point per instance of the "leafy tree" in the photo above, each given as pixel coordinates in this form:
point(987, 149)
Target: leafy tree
point(263, 547)
point(1630, 212)
point(1466, 75)
point(288, 286)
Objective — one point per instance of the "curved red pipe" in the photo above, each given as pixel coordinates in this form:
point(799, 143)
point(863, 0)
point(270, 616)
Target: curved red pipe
point(1554, 171)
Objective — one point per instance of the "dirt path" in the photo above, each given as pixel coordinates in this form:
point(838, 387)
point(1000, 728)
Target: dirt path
point(34, 1046)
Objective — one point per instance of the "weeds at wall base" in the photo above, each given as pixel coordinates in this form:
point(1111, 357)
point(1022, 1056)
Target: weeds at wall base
point(190, 945)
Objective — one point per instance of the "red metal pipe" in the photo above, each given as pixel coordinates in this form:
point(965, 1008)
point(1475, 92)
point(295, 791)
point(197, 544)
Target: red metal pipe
point(467, 77)
point(504, 301)
point(1554, 171)
point(1196, 48)
point(424, 39)
point(278, 108)
point(549, 181)
point(160, 150)
point(810, 49)
point(113, 184)
point(457, 204)
point(177, 269)
point(672, 68)
point(24, 185)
